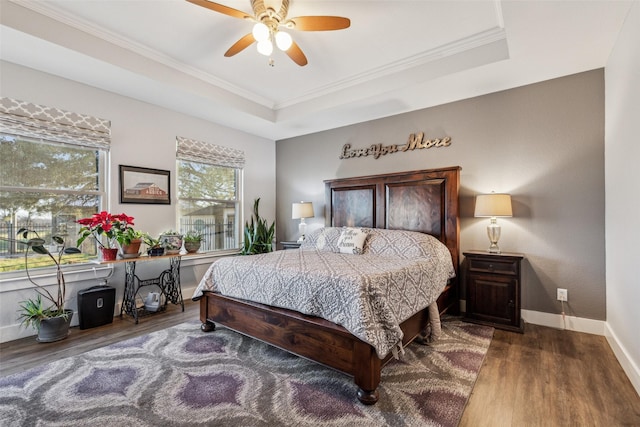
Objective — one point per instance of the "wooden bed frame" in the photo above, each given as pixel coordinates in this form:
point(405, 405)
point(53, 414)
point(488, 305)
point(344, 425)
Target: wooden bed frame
point(424, 201)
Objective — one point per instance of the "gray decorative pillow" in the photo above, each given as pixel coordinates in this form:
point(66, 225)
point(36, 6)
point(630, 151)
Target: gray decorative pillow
point(351, 240)
point(324, 239)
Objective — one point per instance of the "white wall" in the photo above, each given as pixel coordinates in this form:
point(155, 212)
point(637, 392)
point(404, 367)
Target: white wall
point(142, 135)
point(622, 152)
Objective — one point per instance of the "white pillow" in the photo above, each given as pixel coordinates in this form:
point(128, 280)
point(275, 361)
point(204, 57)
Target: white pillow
point(351, 240)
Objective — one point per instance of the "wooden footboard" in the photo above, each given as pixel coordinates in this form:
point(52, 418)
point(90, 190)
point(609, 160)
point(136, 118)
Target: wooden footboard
point(311, 337)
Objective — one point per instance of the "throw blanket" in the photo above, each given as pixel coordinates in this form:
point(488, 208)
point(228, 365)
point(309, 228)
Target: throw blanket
point(369, 294)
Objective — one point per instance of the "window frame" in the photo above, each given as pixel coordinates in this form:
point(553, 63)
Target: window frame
point(101, 193)
point(238, 201)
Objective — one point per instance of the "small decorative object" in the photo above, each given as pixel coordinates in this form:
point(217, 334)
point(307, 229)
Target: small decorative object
point(301, 211)
point(154, 246)
point(52, 323)
point(258, 236)
point(192, 241)
point(171, 241)
point(107, 229)
point(152, 302)
point(493, 205)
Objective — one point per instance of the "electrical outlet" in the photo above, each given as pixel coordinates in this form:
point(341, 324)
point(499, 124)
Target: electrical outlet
point(562, 294)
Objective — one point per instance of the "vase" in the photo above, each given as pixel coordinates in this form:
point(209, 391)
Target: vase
point(132, 248)
point(191, 247)
point(55, 328)
point(109, 254)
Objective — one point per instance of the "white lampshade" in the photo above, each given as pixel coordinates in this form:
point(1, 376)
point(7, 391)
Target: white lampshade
point(265, 47)
point(493, 205)
point(260, 32)
point(302, 210)
point(283, 40)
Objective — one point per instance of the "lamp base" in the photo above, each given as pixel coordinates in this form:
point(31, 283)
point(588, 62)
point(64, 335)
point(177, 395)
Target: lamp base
point(493, 232)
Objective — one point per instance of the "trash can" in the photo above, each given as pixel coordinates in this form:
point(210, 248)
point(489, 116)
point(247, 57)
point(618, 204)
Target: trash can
point(95, 306)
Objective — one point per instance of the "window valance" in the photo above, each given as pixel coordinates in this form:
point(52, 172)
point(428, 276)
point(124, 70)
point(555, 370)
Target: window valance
point(204, 152)
point(25, 119)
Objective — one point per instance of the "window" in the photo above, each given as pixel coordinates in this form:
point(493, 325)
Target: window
point(209, 188)
point(51, 173)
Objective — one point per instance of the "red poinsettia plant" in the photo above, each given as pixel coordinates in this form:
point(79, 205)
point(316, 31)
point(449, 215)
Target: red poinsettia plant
point(103, 224)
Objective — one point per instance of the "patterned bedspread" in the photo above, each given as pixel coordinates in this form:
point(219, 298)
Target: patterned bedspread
point(398, 274)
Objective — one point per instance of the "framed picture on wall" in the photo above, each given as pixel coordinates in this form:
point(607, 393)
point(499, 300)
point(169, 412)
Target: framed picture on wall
point(145, 185)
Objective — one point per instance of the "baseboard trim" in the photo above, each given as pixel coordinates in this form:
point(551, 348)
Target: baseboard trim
point(630, 368)
point(570, 323)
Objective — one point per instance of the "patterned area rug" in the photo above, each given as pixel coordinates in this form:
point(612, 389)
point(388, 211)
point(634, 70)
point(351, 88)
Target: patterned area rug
point(184, 377)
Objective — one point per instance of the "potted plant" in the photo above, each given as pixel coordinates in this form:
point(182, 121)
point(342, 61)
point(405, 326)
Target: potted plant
point(258, 236)
point(154, 246)
point(171, 241)
point(130, 241)
point(51, 321)
point(192, 241)
point(105, 228)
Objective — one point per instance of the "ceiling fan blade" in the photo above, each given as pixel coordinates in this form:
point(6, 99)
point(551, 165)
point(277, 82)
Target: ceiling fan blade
point(295, 53)
point(319, 23)
point(240, 45)
point(221, 9)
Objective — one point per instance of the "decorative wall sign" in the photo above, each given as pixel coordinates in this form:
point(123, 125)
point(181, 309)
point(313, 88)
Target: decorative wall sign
point(415, 141)
point(144, 185)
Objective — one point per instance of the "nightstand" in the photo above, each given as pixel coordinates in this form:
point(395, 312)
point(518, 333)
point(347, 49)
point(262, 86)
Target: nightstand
point(493, 289)
point(290, 245)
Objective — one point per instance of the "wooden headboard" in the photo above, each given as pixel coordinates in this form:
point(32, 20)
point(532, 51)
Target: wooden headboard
point(424, 201)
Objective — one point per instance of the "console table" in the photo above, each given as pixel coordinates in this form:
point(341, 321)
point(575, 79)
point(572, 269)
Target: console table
point(168, 282)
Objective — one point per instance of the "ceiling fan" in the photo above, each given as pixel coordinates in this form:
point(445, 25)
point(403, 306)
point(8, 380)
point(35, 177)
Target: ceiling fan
point(270, 26)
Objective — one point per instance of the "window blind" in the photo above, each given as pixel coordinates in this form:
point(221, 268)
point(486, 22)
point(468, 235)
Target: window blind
point(26, 119)
point(204, 152)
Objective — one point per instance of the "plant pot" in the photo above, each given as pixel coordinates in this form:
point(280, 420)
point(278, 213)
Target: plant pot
point(132, 248)
point(171, 242)
point(155, 251)
point(109, 254)
point(192, 247)
point(54, 328)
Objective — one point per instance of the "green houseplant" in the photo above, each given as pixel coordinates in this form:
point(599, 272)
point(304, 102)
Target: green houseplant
point(107, 229)
point(258, 235)
point(192, 241)
point(51, 321)
point(154, 246)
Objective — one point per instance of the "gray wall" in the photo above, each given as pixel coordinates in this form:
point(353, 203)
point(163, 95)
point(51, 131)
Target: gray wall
point(543, 143)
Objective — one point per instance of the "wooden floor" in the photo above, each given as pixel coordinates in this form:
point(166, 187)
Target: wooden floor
point(546, 377)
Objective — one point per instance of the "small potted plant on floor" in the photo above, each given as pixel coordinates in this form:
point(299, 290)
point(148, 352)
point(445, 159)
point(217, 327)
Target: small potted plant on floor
point(192, 241)
point(46, 313)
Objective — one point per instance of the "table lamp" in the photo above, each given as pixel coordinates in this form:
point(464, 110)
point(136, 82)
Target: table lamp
point(302, 210)
point(493, 205)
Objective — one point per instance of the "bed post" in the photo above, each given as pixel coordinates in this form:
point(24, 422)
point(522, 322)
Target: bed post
point(366, 375)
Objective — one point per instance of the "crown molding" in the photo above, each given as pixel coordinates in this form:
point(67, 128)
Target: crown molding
point(466, 44)
point(139, 49)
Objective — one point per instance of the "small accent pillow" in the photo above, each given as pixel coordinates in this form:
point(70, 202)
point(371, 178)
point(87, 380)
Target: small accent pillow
point(351, 240)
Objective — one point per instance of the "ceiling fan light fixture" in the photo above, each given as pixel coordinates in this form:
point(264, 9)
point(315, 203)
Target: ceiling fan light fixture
point(265, 47)
point(260, 32)
point(283, 40)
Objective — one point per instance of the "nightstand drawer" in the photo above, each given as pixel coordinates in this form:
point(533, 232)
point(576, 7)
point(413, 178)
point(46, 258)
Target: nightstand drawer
point(494, 266)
